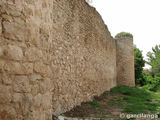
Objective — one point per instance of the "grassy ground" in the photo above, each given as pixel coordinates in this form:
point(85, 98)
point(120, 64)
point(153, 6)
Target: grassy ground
point(138, 100)
point(123, 99)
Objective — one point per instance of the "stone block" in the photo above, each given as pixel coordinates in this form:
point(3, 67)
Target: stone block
point(5, 94)
point(7, 17)
point(28, 68)
point(1, 51)
point(2, 62)
point(18, 68)
point(14, 68)
point(0, 26)
point(43, 69)
point(7, 112)
point(34, 78)
point(37, 100)
point(33, 54)
point(10, 9)
point(47, 101)
point(6, 79)
point(14, 31)
point(17, 97)
point(26, 103)
point(45, 85)
point(35, 89)
point(13, 52)
point(21, 84)
point(42, 87)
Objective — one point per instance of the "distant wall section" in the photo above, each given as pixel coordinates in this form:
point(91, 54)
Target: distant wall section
point(125, 60)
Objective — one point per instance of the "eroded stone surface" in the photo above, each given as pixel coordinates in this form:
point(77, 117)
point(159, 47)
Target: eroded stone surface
point(54, 55)
point(5, 94)
point(13, 52)
point(21, 84)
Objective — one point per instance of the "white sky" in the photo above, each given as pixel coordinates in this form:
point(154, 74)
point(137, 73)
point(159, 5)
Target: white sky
point(138, 17)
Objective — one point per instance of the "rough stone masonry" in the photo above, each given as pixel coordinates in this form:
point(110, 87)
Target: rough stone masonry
point(54, 55)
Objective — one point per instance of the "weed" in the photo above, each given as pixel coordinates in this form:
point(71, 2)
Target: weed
point(94, 104)
point(124, 34)
point(104, 94)
point(108, 113)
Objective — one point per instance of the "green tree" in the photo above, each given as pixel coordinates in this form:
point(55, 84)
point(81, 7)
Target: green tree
point(153, 80)
point(139, 63)
point(154, 60)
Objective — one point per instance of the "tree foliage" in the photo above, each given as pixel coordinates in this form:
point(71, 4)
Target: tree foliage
point(139, 63)
point(154, 60)
point(152, 81)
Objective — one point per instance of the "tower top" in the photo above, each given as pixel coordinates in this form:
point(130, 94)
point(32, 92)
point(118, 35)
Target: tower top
point(124, 34)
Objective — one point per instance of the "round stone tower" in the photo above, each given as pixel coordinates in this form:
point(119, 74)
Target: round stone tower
point(125, 59)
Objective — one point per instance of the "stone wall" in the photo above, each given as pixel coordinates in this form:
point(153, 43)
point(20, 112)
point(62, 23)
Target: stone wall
point(54, 54)
point(125, 60)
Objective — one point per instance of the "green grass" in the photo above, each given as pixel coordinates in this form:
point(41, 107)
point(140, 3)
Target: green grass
point(127, 119)
point(94, 104)
point(116, 102)
point(104, 94)
point(137, 100)
point(132, 100)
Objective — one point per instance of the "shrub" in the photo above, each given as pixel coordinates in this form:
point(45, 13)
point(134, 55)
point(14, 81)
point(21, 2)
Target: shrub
point(124, 34)
point(155, 84)
point(151, 83)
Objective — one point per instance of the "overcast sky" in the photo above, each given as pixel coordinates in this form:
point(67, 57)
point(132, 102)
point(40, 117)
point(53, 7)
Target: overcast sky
point(139, 17)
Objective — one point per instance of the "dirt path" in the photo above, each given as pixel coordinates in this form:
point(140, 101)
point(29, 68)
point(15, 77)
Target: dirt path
point(101, 108)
